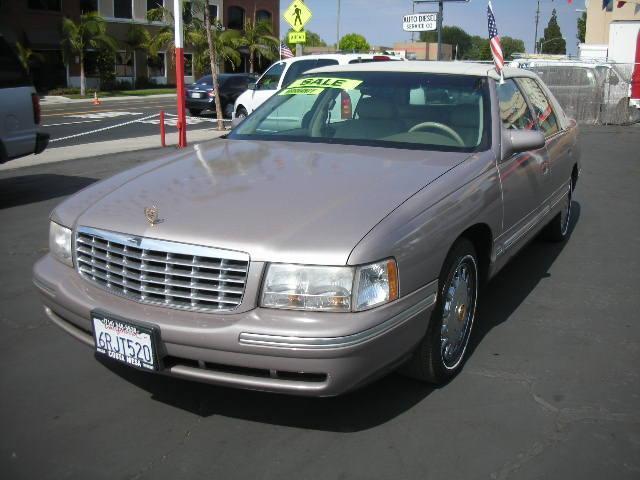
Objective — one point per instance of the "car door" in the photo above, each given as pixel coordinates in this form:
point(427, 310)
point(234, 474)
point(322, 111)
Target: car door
point(522, 175)
point(267, 85)
point(557, 169)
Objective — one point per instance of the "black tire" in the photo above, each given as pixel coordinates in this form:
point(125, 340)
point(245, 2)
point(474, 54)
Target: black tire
point(194, 112)
point(241, 113)
point(558, 229)
point(429, 362)
point(227, 110)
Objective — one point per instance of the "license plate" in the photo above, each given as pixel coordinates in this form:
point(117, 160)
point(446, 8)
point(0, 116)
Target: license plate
point(125, 342)
point(196, 95)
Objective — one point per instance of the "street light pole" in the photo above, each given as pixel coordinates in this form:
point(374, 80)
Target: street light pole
point(338, 29)
point(535, 40)
point(440, 14)
point(178, 34)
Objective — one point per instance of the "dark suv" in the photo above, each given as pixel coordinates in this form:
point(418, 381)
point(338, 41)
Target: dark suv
point(19, 109)
point(200, 94)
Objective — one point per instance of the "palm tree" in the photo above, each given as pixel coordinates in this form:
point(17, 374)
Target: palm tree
point(89, 32)
point(26, 56)
point(222, 47)
point(259, 40)
point(137, 39)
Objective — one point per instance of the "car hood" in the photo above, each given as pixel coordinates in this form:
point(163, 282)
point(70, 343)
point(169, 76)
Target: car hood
point(278, 201)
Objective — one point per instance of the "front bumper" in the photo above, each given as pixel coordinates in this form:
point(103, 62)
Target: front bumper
point(250, 349)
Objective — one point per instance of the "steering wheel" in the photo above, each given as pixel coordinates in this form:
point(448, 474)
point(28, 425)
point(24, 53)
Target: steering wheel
point(438, 126)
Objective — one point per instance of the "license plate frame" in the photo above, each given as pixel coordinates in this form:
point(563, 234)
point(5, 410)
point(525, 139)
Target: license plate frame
point(196, 95)
point(148, 334)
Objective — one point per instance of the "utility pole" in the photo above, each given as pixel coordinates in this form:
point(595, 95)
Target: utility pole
point(440, 13)
point(338, 28)
point(535, 40)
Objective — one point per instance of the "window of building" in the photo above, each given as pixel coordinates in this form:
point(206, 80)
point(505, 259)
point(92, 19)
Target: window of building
point(53, 5)
point(124, 64)
point(187, 12)
point(188, 65)
point(122, 8)
point(514, 111)
point(91, 64)
point(213, 13)
point(87, 6)
point(263, 15)
point(235, 18)
point(156, 65)
point(542, 107)
point(153, 4)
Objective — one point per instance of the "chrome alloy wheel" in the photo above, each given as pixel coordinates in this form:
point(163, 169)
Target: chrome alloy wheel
point(565, 213)
point(459, 308)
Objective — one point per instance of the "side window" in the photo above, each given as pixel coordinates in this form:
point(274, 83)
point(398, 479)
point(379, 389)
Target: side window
point(270, 79)
point(543, 111)
point(296, 69)
point(514, 111)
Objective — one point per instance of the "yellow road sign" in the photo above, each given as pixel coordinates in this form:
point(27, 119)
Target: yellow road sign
point(297, 15)
point(298, 37)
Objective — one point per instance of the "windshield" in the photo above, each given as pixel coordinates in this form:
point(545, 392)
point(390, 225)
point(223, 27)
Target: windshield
point(388, 109)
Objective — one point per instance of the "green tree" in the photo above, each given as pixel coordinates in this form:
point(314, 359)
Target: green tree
point(136, 39)
point(27, 56)
point(511, 46)
point(582, 27)
point(480, 49)
point(259, 40)
point(313, 40)
point(89, 33)
point(354, 42)
point(454, 36)
point(222, 46)
point(552, 41)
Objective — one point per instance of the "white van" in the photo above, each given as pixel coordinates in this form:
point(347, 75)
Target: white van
point(284, 72)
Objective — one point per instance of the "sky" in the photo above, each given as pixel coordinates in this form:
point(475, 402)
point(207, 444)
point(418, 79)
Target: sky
point(380, 21)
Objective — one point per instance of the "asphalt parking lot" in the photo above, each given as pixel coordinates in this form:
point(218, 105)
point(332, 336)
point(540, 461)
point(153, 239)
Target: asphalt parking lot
point(551, 389)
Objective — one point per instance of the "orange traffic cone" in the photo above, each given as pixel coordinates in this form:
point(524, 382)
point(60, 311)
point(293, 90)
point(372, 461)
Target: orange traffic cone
point(96, 100)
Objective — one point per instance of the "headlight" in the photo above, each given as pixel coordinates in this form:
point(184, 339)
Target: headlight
point(376, 284)
point(330, 289)
point(60, 243)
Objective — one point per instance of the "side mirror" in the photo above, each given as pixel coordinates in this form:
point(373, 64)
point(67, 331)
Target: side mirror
point(613, 79)
point(252, 86)
point(517, 141)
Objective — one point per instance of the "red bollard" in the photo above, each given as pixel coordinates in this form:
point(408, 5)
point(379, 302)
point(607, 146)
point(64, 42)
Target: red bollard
point(162, 139)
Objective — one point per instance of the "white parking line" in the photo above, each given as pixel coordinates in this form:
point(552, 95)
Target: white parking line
point(71, 123)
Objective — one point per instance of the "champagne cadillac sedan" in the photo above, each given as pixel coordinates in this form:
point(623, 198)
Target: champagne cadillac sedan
point(341, 231)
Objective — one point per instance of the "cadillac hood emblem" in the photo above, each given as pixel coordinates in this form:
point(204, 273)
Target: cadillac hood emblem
point(152, 215)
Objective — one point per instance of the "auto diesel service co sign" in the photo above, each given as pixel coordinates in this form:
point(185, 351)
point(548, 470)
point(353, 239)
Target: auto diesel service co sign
point(420, 22)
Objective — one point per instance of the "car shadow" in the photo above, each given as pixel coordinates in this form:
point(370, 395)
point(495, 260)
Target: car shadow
point(367, 407)
point(25, 189)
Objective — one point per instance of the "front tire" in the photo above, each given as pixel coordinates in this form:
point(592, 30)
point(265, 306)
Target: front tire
point(441, 353)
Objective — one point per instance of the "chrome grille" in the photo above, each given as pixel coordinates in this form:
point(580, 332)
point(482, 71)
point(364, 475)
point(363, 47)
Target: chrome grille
point(160, 272)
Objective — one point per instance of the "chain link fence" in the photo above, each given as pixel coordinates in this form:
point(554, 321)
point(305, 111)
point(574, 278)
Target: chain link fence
point(595, 93)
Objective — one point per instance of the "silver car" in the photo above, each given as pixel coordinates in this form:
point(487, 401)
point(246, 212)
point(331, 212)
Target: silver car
point(311, 255)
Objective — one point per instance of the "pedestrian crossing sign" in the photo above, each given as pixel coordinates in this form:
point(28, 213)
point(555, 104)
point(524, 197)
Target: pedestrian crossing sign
point(297, 15)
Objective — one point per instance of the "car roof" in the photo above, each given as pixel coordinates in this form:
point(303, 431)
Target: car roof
point(453, 68)
point(346, 57)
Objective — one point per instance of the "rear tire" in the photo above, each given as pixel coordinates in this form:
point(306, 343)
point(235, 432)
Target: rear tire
point(194, 112)
point(227, 111)
point(558, 229)
point(441, 353)
point(241, 113)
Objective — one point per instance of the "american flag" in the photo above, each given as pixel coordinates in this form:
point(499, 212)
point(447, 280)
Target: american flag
point(285, 52)
point(494, 38)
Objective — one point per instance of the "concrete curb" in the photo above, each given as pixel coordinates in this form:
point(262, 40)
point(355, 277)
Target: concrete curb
point(60, 100)
point(86, 150)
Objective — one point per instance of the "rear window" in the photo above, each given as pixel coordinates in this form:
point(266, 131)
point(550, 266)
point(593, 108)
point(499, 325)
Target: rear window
point(11, 72)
